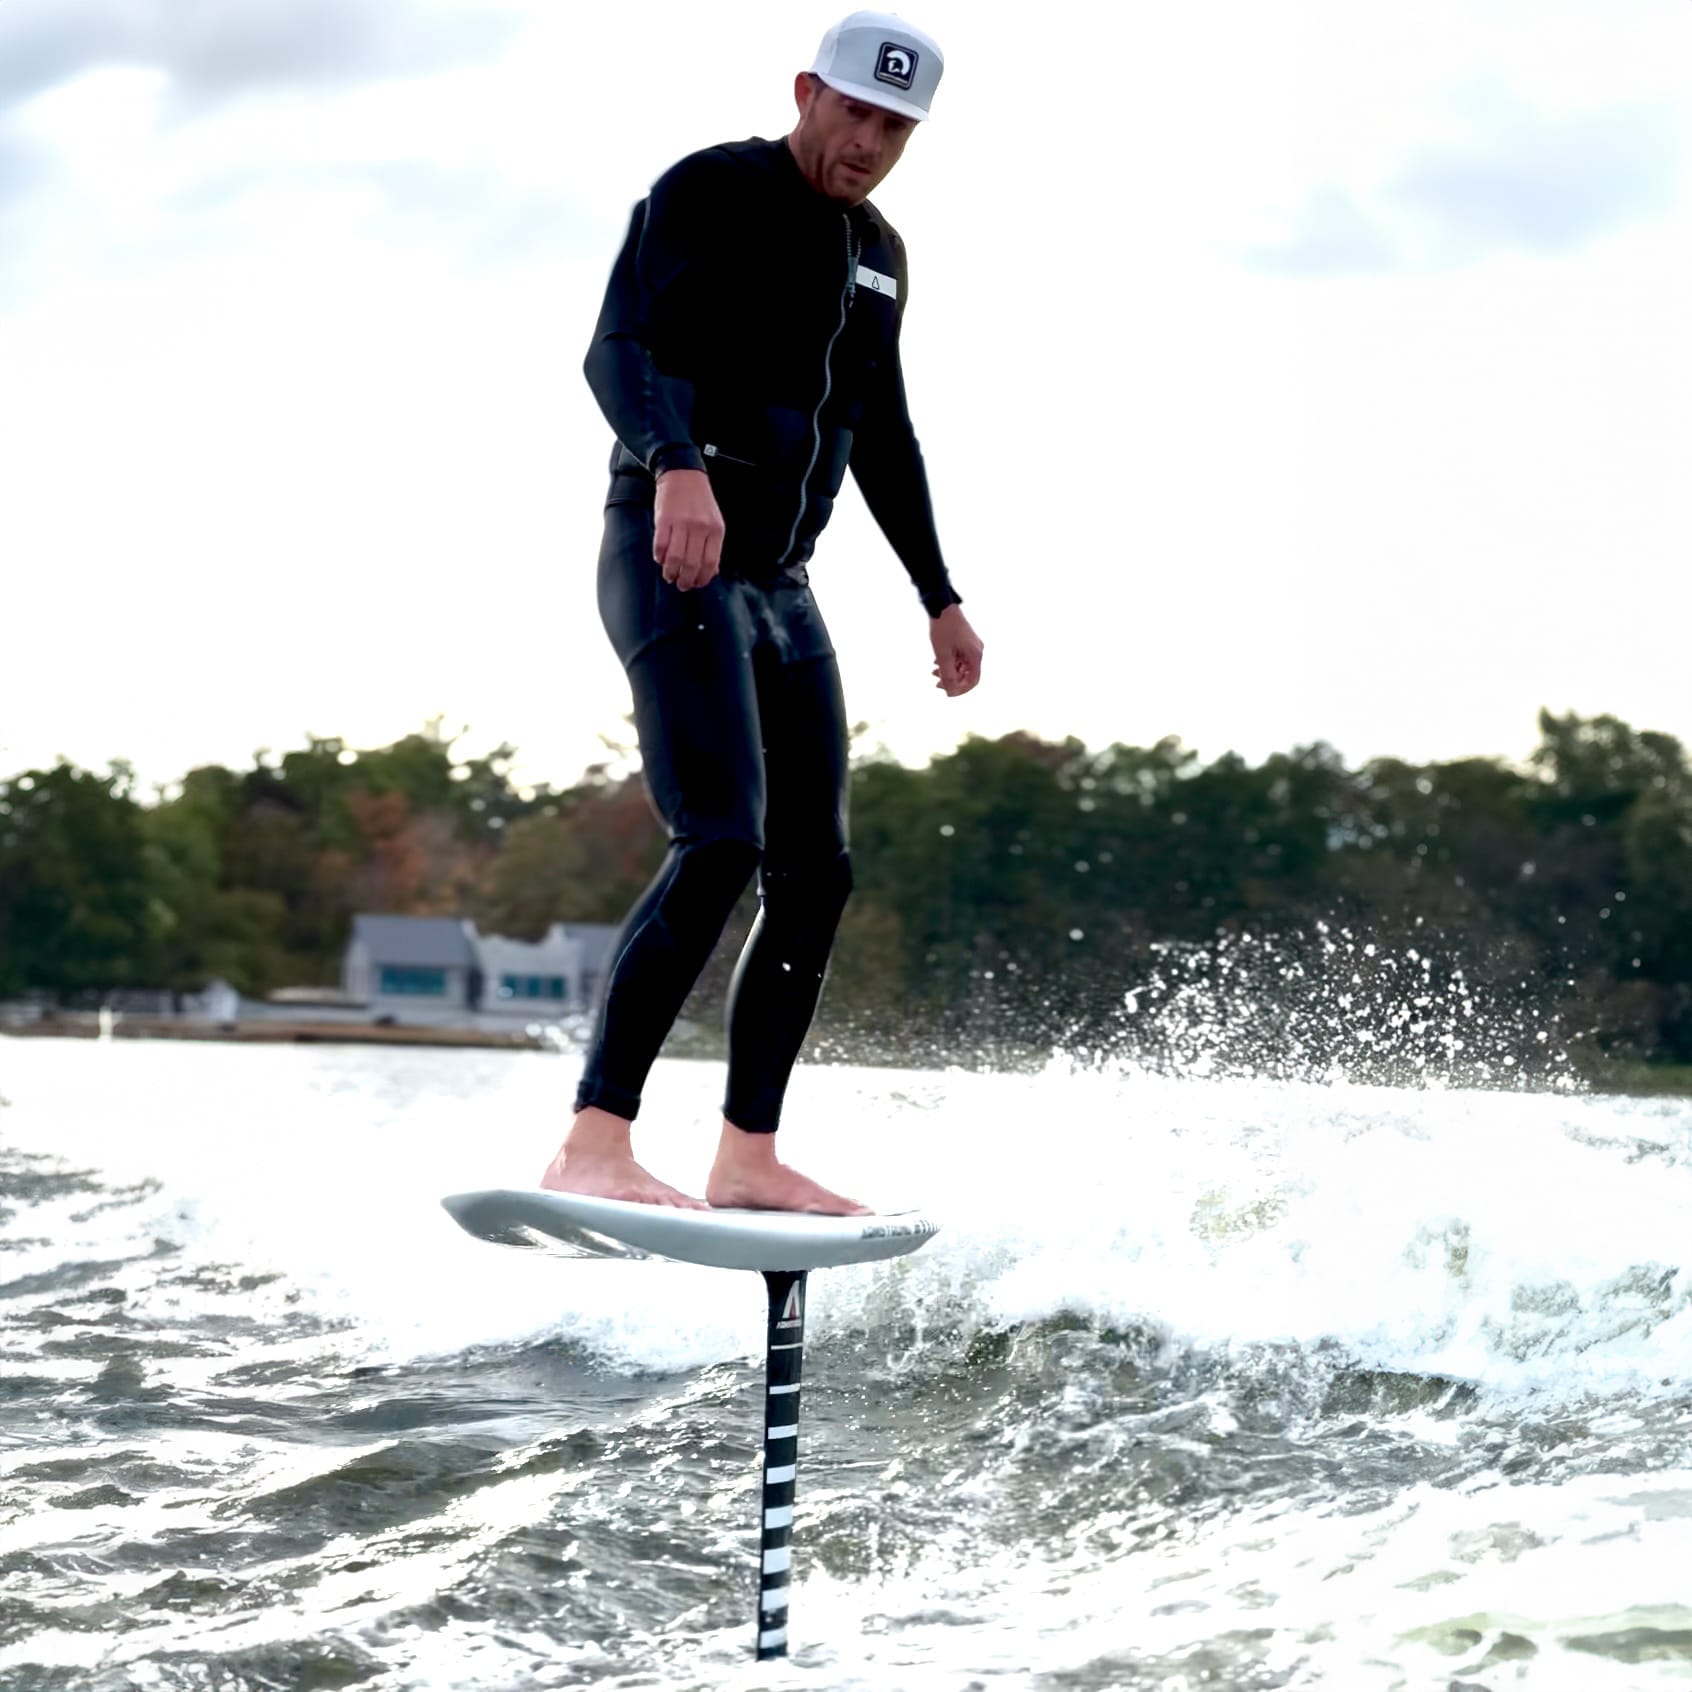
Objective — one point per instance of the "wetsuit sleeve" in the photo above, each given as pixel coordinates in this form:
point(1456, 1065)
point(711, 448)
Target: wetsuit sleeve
point(670, 241)
point(888, 468)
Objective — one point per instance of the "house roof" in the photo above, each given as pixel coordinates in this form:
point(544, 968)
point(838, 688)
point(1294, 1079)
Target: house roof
point(594, 938)
point(563, 949)
point(434, 942)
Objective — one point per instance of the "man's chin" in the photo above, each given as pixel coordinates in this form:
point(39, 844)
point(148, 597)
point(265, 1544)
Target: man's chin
point(850, 185)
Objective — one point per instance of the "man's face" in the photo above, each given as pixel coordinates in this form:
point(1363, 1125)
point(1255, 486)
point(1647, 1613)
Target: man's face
point(845, 147)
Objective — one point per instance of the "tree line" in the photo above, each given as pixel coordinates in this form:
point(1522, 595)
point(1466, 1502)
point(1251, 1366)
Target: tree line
point(1016, 893)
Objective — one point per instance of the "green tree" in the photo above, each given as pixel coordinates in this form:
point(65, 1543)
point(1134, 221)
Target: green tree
point(585, 857)
point(77, 907)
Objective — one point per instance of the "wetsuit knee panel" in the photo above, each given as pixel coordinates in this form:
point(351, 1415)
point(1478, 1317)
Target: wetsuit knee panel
point(708, 877)
point(811, 896)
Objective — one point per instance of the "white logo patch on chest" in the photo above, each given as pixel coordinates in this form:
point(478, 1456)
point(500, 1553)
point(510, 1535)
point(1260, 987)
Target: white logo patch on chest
point(876, 283)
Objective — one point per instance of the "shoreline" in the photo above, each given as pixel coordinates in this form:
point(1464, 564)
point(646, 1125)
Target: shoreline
point(87, 1026)
point(1619, 1078)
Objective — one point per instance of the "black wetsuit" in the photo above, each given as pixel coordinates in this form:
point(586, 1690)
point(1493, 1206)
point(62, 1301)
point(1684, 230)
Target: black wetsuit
point(750, 330)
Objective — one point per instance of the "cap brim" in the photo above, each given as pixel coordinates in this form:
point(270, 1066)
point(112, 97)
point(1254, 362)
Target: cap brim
point(876, 96)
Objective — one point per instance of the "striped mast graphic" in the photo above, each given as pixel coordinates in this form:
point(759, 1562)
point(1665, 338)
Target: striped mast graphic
point(784, 1361)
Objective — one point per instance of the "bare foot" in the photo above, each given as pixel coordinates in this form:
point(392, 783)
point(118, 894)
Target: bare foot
point(748, 1176)
point(596, 1159)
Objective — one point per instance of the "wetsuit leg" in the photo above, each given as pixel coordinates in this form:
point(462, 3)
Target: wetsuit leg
point(803, 886)
point(689, 662)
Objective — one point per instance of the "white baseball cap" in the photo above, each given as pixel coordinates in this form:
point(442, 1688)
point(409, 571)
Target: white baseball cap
point(879, 59)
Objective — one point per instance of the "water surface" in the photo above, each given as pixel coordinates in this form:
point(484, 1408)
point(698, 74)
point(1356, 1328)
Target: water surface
point(1221, 1384)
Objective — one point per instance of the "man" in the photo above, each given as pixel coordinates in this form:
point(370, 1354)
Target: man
point(746, 355)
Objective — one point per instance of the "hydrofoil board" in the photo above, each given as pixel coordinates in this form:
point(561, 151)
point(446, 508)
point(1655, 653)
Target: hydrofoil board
point(573, 1225)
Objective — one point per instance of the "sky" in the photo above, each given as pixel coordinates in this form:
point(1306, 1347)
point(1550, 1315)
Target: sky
point(1309, 372)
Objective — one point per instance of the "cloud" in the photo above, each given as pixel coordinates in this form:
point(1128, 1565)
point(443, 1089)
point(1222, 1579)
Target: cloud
point(199, 56)
point(1332, 236)
point(1543, 184)
point(1517, 181)
point(477, 210)
point(23, 167)
point(212, 50)
point(494, 219)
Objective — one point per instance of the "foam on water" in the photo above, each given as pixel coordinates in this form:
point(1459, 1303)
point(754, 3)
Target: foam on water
point(1524, 1242)
point(1436, 1588)
point(1002, 1493)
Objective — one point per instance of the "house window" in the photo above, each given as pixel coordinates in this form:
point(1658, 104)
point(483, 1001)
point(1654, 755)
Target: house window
point(531, 987)
point(413, 983)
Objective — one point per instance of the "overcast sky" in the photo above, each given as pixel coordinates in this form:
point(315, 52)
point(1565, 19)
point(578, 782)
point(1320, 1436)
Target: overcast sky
point(1309, 371)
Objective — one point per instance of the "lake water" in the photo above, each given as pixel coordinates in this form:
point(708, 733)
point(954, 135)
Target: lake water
point(1219, 1384)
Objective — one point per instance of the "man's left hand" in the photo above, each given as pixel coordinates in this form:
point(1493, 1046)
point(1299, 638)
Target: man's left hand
point(957, 651)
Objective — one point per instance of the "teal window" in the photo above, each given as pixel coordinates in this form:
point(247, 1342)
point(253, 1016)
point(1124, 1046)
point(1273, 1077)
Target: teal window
point(413, 983)
point(531, 987)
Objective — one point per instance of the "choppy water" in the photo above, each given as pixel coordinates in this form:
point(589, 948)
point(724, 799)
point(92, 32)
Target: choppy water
point(1206, 1384)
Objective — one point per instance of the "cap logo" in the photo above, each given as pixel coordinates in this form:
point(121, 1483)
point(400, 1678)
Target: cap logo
point(896, 64)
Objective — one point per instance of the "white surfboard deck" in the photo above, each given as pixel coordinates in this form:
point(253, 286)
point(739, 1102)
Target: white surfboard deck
point(574, 1225)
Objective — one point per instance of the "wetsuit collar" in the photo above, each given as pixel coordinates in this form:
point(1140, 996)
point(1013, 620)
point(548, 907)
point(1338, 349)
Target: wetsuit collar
point(788, 166)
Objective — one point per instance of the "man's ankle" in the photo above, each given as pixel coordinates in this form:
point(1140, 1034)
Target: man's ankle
point(600, 1133)
point(744, 1148)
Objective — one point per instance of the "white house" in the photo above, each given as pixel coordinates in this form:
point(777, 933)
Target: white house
point(442, 970)
point(414, 969)
point(557, 975)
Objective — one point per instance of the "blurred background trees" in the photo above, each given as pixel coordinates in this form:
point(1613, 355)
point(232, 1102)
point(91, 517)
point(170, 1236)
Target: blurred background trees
point(1040, 893)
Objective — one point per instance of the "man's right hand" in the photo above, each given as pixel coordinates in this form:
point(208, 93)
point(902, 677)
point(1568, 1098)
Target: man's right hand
point(687, 538)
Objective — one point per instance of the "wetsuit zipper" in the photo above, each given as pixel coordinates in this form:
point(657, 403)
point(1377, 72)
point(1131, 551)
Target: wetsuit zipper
point(717, 452)
point(846, 294)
